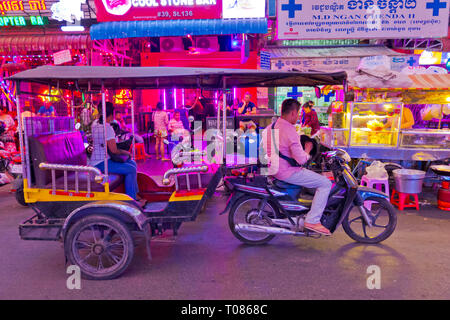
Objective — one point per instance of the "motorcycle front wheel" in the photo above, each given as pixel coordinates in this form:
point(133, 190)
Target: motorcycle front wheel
point(383, 217)
point(245, 211)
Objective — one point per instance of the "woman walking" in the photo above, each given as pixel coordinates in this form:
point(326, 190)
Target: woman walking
point(160, 120)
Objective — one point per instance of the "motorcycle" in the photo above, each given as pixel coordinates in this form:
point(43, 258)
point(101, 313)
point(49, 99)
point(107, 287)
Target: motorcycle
point(261, 208)
point(11, 169)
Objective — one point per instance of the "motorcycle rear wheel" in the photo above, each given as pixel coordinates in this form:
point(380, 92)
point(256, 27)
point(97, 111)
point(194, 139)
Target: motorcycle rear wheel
point(357, 229)
point(243, 206)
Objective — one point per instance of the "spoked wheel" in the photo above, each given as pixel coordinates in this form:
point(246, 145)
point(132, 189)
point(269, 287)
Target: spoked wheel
point(245, 210)
point(101, 246)
point(384, 221)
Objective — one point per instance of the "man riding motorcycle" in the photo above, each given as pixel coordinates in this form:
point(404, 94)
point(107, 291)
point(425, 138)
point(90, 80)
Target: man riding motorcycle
point(286, 161)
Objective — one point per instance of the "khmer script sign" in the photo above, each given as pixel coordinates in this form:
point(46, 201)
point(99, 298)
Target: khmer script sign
point(363, 19)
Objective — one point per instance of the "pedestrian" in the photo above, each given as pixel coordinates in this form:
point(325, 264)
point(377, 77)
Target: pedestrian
point(160, 121)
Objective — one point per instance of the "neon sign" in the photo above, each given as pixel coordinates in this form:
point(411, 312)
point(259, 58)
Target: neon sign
point(20, 21)
point(33, 5)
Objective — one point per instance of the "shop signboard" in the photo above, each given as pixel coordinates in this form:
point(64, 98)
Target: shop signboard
point(22, 21)
point(61, 57)
point(397, 63)
point(22, 13)
point(8, 7)
point(134, 10)
point(235, 9)
point(351, 19)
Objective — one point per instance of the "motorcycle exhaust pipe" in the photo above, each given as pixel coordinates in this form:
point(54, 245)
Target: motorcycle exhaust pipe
point(245, 227)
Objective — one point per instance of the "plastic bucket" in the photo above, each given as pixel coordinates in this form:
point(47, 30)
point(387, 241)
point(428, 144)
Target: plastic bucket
point(408, 180)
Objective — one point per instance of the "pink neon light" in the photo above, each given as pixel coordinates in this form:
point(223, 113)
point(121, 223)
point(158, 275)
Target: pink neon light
point(216, 102)
point(175, 97)
point(182, 97)
point(164, 99)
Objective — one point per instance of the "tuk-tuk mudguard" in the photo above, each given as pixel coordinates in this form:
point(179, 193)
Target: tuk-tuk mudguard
point(123, 211)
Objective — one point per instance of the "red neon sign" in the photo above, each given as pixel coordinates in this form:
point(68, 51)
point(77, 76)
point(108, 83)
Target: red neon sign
point(33, 5)
point(131, 10)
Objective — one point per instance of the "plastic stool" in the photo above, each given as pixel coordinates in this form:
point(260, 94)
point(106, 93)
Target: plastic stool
point(140, 151)
point(376, 184)
point(403, 201)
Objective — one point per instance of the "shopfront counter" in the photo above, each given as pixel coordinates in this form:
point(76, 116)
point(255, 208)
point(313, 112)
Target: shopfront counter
point(262, 120)
point(413, 144)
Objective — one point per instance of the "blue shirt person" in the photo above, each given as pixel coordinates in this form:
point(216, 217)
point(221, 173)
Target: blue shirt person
point(46, 111)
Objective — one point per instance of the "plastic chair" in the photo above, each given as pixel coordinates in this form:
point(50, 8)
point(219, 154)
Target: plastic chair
point(376, 184)
point(140, 151)
point(403, 201)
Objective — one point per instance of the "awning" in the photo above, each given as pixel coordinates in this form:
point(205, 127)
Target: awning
point(431, 81)
point(16, 43)
point(357, 51)
point(167, 28)
point(172, 77)
point(401, 82)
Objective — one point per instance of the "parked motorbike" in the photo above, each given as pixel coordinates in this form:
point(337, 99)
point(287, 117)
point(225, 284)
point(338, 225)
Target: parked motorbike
point(261, 208)
point(11, 172)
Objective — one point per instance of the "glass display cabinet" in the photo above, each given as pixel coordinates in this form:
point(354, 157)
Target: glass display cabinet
point(374, 124)
point(425, 139)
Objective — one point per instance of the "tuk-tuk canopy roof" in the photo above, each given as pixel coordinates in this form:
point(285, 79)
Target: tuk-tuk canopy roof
point(78, 78)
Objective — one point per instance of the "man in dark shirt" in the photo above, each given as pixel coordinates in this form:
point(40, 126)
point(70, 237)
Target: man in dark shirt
point(47, 110)
point(247, 107)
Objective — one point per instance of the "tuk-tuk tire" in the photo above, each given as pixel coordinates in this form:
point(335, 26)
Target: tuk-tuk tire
point(20, 196)
point(125, 234)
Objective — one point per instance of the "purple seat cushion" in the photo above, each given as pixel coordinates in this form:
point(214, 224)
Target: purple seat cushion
point(63, 148)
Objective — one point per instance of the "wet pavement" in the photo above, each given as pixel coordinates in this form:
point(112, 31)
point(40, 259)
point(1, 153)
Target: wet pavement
point(207, 262)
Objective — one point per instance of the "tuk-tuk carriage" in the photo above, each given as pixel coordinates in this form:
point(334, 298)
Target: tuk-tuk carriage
point(87, 209)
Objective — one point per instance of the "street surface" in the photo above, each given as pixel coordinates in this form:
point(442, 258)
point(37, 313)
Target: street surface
point(207, 262)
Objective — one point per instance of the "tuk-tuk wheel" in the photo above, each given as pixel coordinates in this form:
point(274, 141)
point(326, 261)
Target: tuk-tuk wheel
point(101, 246)
point(20, 197)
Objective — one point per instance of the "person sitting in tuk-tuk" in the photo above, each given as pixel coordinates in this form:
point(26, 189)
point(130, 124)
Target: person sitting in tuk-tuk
point(128, 167)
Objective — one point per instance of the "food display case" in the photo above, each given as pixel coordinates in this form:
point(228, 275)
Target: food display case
point(364, 125)
point(373, 130)
point(425, 139)
point(374, 124)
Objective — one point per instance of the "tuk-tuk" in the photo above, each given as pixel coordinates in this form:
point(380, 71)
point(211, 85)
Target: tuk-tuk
point(87, 209)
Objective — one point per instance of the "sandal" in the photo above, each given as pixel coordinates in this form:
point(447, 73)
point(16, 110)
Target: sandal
point(317, 227)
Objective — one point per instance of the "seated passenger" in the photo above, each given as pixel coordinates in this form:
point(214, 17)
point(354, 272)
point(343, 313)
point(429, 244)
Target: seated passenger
point(176, 128)
point(128, 168)
point(244, 108)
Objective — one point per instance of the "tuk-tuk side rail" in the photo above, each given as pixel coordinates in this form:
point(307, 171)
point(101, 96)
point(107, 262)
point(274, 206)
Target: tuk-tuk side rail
point(186, 170)
point(98, 176)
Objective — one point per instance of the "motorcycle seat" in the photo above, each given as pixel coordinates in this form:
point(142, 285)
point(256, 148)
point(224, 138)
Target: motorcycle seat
point(285, 185)
point(293, 190)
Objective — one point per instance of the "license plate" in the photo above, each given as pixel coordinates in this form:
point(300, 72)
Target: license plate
point(17, 169)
